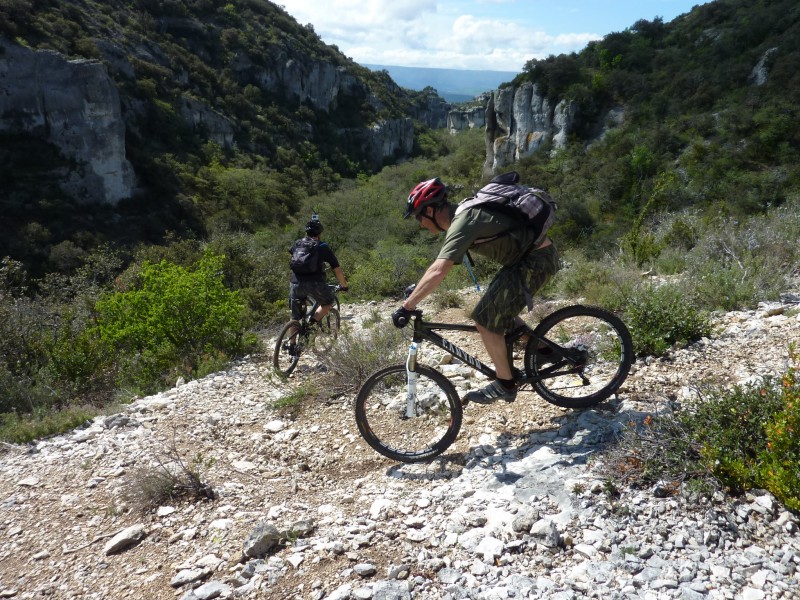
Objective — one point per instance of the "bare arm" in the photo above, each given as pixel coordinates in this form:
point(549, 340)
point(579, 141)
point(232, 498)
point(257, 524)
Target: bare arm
point(429, 282)
point(340, 276)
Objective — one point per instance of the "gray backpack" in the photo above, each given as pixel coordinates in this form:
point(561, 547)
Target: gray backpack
point(530, 206)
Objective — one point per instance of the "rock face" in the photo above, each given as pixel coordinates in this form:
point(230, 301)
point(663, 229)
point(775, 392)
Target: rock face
point(392, 138)
point(519, 121)
point(75, 106)
point(471, 118)
point(321, 84)
point(329, 87)
point(758, 76)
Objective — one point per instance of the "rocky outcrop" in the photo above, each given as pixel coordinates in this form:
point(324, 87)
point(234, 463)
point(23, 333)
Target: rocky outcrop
point(520, 121)
point(470, 118)
point(321, 84)
point(391, 139)
point(75, 106)
point(328, 87)
point(758, 76)
point(431, 109)
point(214, 125)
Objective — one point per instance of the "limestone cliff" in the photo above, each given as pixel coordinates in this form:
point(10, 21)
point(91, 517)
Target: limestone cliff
point(75, 106)
point(468, 118)
point(520, 121)
point(330, 88)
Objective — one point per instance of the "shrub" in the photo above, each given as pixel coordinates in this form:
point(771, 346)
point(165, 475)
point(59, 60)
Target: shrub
point(659, 316)
point(779, 458)
point(172, 322)
point(386, 271)
point(40, 423)
point(601, 282)
point(741, 438)
point(446, 298)
point(79, 362)
point(357, 355)
point(171, 477)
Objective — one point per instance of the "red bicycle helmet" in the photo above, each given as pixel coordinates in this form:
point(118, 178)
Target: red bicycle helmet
point(425, 193)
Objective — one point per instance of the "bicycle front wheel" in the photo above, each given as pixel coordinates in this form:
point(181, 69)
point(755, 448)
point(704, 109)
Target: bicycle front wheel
point(327, 332)
point(288, 348)
point(408, 421)
point(590, 357)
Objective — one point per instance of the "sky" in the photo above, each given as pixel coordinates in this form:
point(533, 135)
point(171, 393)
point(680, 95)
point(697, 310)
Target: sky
point(497, 35)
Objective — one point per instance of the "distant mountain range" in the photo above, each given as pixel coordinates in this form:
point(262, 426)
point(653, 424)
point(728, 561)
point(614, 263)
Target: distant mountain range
point(454, 85)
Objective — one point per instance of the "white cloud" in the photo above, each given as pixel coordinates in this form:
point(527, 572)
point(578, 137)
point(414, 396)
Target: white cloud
point(432, 33)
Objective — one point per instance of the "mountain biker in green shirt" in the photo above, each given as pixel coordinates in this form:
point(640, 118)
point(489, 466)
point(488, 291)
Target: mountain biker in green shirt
point(526, 268)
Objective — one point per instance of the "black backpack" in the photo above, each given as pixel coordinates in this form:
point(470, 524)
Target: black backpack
point(305, 256)
point(532, 207)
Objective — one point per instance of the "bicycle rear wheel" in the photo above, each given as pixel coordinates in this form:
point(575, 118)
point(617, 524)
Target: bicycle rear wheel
point(408, 431)
point(327, 332)
point(590, 358)
point(288, 348)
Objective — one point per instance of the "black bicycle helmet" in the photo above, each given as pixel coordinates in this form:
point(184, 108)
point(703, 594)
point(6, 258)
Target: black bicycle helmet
point(430, 192)
point(314, 228)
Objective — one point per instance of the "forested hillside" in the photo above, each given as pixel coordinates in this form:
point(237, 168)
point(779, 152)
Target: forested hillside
point(232, 113)
point(708, 106)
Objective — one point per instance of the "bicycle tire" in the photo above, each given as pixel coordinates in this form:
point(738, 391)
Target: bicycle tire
point(380, 406)
point(596, 340)
point(282, 360)
point(326, 334)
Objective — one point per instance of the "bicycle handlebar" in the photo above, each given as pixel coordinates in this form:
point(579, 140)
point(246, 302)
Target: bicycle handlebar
point(402, 321)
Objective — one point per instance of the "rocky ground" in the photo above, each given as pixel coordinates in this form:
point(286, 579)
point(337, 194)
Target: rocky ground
point(304, 509)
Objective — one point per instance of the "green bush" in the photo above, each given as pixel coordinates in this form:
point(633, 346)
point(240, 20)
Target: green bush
point(386, 271)
point(21, 429)
point(175, 320)
point(659, 316)
point(606, 283)
point(741, 438)
point(728, 429)
point(79, 362)
point(779, 458)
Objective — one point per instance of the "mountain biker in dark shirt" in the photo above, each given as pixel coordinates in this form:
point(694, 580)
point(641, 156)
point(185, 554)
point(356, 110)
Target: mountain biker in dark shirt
point(526, 268)
point(314, 285)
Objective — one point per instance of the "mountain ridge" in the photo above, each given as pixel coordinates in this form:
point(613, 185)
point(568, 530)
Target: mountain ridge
point(454, 85)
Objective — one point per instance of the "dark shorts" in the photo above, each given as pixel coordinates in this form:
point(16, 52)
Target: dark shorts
point(316, 290)
point(506, 295)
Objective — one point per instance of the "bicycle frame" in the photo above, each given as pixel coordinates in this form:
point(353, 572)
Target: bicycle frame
point(307, 313)
point(426, 331)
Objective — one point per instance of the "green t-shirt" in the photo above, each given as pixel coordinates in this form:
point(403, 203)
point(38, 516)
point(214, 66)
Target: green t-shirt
point(477, 223)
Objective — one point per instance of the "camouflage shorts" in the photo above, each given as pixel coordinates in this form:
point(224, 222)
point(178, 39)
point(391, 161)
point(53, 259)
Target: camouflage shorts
point(506, 295)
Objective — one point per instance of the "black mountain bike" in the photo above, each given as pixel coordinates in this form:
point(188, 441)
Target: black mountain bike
point(298, 337)
point(576, 357)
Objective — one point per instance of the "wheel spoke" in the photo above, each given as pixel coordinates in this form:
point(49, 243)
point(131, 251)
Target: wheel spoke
point(592, 356)
point(408, 430)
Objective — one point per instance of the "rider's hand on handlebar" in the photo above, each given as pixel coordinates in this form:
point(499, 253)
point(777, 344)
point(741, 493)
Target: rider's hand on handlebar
point(401, 317)
point(343, 288)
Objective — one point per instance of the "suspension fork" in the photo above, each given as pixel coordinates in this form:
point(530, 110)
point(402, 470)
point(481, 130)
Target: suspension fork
point(411, 379)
